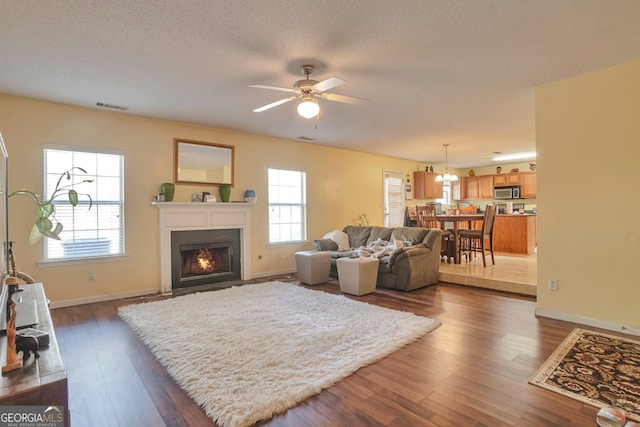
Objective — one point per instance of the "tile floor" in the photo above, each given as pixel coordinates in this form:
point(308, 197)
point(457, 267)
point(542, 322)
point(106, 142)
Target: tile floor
point(511, 273)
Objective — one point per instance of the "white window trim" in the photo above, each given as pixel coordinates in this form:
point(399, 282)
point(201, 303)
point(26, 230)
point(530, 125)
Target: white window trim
point(45, 263)
point(306, 221)
point(86, 260)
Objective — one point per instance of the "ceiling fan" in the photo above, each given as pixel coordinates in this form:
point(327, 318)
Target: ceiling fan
point(310, 91)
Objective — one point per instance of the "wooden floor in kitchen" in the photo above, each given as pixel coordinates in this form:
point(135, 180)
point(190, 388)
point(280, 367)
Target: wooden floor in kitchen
point(471, 371)
point(511, 273)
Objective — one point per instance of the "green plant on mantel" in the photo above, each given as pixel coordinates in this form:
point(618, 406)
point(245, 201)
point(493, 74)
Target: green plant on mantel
point(47, 225)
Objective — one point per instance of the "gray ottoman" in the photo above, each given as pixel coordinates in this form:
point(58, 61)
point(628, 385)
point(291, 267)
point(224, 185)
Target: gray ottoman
point(357, 276)
point(313, 266)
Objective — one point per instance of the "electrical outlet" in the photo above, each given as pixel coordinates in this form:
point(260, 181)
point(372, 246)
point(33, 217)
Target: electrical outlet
point(553, 284)
point(92, 275)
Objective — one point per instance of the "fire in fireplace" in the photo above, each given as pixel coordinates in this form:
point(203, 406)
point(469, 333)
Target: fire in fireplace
point(199, 260)
point(204, 256)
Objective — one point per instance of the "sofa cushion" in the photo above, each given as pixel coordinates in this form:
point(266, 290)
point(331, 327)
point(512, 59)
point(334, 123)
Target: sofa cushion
point(325, 245)
point(414, 235)
point(379, 233)
point(358, 235)
point(340, 237)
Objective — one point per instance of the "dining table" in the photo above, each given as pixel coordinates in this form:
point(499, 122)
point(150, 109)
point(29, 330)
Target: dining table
point(457, 220)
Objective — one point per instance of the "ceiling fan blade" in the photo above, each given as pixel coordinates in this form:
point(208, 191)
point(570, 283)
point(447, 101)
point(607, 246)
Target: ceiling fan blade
point(283, 89)
point(343, 98)
point(274, 104)
point(330, 83)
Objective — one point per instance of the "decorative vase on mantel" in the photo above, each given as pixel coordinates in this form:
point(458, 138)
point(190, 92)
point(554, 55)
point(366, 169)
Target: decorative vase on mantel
point(168, 189)
point(225, 192)
point(250, 196)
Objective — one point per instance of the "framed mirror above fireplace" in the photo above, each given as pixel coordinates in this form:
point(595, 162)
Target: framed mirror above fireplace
point(206, 163)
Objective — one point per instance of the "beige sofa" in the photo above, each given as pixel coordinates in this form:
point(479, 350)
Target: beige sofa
point(406, 269)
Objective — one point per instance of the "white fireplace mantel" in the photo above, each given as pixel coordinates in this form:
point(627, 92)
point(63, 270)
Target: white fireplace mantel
point(178, 216)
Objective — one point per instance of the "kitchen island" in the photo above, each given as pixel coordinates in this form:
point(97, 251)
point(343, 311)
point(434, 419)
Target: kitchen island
point(515, 233)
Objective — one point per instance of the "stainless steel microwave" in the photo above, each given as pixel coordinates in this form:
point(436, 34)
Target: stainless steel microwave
point(508, 192)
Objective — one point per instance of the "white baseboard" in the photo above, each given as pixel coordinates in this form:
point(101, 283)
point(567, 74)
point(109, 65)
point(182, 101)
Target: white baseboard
point(587, 321)
point(101, 298)
point(142, 292)
point(273, 273)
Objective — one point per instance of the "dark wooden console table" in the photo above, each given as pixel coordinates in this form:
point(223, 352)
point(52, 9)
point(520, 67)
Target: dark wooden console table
point(41, 381)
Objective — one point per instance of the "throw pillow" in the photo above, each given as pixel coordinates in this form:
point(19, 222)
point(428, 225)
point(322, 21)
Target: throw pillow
point(325, 245)
point(341, 239)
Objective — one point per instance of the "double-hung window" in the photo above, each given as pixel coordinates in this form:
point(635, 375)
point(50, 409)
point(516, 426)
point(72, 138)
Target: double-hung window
point(287, 206)
point(446, 194)
point(95, 226)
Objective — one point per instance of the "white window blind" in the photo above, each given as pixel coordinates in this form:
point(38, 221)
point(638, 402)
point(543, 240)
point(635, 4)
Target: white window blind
point(394, 200)
point(287, 206)
point(87, 232)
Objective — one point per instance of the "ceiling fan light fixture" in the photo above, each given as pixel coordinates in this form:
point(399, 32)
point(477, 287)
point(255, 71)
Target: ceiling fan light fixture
point(309, 108)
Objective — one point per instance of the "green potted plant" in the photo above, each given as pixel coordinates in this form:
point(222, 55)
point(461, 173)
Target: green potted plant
point(47, 225)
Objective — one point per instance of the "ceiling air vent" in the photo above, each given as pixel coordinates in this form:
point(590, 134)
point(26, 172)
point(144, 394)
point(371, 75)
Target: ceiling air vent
point(112, 106)
point(306, 138)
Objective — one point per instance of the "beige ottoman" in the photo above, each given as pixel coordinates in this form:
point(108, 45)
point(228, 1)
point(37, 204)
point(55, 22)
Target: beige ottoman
point(357, 276)
point(313, 266)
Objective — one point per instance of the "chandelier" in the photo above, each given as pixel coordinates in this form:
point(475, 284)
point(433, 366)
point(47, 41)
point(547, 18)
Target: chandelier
point(446, 176)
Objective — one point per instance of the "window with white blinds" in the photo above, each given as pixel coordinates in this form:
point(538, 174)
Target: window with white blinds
point(287, 206)
point(93, 228)
point(394, 199)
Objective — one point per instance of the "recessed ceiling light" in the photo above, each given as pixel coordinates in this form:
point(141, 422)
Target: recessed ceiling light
point(516, 156)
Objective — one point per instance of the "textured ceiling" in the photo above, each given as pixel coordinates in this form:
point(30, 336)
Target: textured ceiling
point(460, 72)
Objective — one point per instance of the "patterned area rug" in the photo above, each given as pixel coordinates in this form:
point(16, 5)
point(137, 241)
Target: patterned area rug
point(248, 352)
point(598, 369)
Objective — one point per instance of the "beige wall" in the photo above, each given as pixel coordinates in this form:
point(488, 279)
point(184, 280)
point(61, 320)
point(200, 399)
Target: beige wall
point(588, 145)
point(341, 185)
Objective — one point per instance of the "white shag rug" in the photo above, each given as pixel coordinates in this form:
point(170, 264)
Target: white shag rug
point(246, 353)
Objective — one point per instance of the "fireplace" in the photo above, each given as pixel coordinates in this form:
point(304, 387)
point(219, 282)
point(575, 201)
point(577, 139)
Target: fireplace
point(177, 217)
point(203, 257)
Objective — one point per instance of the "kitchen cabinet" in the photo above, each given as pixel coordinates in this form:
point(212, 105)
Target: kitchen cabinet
point(528, 185)
point(425, 186)
point(473, 188)
point(512, 178)
point(515, 234)
point(485, 186)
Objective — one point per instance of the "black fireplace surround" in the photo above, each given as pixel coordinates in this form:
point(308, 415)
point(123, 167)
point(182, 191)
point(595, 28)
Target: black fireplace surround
point(202, 257)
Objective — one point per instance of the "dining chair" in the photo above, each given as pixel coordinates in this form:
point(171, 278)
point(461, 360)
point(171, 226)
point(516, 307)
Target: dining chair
point(472, 241)
point(410, 216)
point(424, 217)
point(466, 210)
point(427, 219)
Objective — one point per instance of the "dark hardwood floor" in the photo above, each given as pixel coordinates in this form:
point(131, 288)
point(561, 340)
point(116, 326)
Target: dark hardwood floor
point(472, 371)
